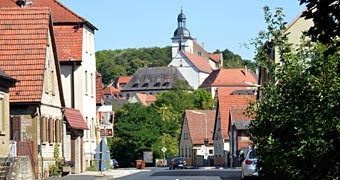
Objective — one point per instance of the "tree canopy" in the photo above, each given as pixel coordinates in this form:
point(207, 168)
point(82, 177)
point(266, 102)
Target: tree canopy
point(326, 18)
point(141, 128)
point(122, 62)
point(296, 130)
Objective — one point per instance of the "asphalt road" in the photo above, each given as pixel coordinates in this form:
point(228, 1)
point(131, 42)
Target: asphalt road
point(185, 174)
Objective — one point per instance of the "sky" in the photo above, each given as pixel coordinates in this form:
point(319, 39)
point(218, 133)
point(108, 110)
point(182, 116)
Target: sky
point(218, 24)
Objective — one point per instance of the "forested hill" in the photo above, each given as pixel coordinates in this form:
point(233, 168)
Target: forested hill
point(120, 62)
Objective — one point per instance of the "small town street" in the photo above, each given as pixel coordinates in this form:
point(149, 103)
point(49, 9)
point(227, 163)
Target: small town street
point(160, 174)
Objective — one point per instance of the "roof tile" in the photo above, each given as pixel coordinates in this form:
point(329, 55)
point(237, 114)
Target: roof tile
point(199, 62)
point(23, 50)
point(197, 125)
point(225, 102)
point(75, 118)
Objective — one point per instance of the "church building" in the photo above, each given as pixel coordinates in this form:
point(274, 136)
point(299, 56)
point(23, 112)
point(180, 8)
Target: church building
point(190, 58)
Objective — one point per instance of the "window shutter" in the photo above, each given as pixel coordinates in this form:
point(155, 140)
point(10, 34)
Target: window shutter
point(44, 129)
point(51, 130)
point(58, 131)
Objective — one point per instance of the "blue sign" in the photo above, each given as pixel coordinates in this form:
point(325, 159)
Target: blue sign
point(102, 156)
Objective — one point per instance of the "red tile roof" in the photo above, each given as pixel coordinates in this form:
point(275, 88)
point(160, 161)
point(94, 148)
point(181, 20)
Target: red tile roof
point(111, 90)
point(199, 62)
point(238, 113)
point(60, 13)
point(225, 102)
point(23, 41)
point(197, 125)
point(229, 77)
point(75, 119)
point(69, 38)
point(146, 99)
point(99, 89)
point(69, 43)
point(215, 57)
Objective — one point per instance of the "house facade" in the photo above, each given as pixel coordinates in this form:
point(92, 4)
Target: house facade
point(74, 38)
point(196, 143)
point(36, 102)
point(239, 137)
point(294, 33)
point(189, 57)
point(6, 81)
point(226, 98)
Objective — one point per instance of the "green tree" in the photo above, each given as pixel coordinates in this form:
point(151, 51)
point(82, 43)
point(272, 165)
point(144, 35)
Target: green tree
point(326, 18)
point(297, 117)
point(232, 60)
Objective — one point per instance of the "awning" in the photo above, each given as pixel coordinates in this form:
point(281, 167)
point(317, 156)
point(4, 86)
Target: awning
point(75, 119)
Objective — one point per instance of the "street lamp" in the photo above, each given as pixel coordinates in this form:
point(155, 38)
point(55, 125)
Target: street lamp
point(206, 140)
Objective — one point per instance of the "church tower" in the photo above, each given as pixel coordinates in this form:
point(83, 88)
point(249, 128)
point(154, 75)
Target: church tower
point(181, 41)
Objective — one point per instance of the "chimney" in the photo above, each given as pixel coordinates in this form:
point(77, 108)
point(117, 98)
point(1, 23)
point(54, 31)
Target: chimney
point(21, 3)
point(245, 70)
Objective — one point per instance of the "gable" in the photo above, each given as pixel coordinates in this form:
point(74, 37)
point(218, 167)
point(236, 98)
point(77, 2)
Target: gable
point(200, 124)
point(23, 42)
point(225, 102)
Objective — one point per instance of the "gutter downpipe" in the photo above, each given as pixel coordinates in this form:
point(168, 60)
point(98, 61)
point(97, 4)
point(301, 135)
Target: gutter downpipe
point(62, 133)
point(72, 85)
point(40, 147)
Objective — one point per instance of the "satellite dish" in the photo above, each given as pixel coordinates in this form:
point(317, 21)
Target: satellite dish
point(21, 3)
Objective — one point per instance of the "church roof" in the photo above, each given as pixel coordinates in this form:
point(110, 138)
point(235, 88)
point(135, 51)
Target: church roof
point(199, 62)
point(154, 78)
point(215, 57)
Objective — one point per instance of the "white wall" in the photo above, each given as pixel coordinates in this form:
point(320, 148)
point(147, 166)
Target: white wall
point(87, 76)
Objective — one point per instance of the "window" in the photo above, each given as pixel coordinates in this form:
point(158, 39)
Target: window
point(157, 85)
point(211, 151)
point(145, 85)
point(86, 85)
point(86, 42)
point(199, 53)
point(165, 84)
point(91, 84)
point(186, 136)
point(2, 121)
point(135, 85)
point(53, 82)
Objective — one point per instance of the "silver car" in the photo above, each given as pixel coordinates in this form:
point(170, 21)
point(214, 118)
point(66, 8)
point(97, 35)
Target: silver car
point(249, 164)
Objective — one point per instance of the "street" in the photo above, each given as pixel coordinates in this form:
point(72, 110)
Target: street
point(161, 174)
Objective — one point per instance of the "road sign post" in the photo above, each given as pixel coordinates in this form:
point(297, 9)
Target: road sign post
point(163, 150)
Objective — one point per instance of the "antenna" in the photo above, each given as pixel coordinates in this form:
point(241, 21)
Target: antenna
point(181, 3)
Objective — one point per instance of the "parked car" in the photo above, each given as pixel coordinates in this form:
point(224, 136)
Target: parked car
point(115, 163)
point(249, 164)
point(177, 162)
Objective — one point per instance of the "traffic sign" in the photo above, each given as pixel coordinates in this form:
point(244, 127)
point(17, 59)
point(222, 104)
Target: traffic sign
point(163, 149)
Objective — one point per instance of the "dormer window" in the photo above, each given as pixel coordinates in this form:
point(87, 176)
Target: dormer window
point(135, 85)
point(145, 85)
point(165, 84)
point(157, 85)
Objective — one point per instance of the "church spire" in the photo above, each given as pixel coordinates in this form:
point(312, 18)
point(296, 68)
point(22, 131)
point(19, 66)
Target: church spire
point(181, 31)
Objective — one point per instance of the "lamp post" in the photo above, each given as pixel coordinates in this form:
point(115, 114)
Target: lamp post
point(206, 140)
